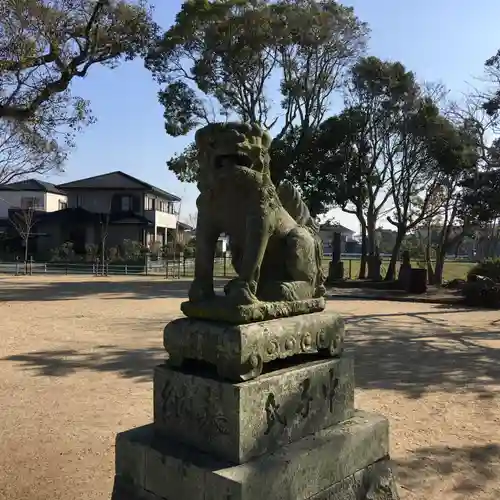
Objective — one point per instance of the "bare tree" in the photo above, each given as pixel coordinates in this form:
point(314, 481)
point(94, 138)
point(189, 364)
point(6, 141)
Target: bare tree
point(44, 46)
point(23, 222)
point(192, 219)
point(24, 151)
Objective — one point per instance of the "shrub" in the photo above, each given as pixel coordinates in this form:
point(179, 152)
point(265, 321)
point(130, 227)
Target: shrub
point(113, 254)
point(91, 251)
point(482, 292)
point(488, 268)
point(132, 250)
point(64, 252)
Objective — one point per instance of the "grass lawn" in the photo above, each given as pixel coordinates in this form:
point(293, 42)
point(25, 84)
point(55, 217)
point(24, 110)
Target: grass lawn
point(452, 269)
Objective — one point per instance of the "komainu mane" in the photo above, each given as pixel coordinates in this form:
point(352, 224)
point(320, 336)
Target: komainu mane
point(274, 242)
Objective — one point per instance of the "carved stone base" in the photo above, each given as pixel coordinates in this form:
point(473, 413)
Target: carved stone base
point(239, 352)
point(332, 464)
point(237, 422)
point(375, 482)
point(220, 309)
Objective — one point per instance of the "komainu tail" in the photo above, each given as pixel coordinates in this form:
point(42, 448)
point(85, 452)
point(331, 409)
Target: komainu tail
point(292, 202)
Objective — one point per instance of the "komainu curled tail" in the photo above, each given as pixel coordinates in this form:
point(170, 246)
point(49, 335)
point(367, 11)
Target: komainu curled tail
point(293, 203)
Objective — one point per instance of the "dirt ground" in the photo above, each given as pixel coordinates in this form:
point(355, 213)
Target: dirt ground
point(75, 368)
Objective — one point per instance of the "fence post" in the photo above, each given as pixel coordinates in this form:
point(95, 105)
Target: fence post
point(146, 263)
point(166, 268)
point(181, 257)
point(224, 261)
point(126, 269)
point(350, 268)
point(31, 265)
point(184, 266)
point(17, 267)
point(45, 267)
point(66, 268)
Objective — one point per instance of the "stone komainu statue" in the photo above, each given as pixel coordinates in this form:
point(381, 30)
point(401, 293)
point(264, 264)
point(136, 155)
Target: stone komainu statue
point(274, 242)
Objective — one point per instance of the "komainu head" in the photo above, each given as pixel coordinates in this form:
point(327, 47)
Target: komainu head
point(228, 148)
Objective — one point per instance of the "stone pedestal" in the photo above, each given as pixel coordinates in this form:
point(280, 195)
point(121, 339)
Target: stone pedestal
point(288, 433)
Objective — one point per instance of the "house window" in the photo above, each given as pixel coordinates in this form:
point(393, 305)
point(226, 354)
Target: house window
point(79, 200)
point(150, 203)
point(170, 207)
point(62, 205)
point(126, 203)
point(31, 202)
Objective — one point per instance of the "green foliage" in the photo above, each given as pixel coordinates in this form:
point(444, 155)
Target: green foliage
point(481, 293)
point(131, 250)
point(172, 251)
point(219, 59)
point(492, 104)
point(91, 252)
point(63, 253)
point(489, 268)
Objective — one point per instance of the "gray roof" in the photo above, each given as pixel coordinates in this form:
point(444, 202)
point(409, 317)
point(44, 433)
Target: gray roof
point(31, 185)
point(335, 227)
point(117, 180)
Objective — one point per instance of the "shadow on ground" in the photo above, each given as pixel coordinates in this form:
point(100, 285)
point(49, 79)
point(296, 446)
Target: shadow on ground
point(135, 364)
point(68, 289)
point(417, 353)
point(476, 466)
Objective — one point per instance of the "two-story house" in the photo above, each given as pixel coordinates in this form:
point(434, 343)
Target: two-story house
point(115, 206)
point(21, 204)
point(32, 194)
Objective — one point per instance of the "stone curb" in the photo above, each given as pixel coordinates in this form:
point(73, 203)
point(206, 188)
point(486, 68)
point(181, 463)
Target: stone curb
point(415, 299)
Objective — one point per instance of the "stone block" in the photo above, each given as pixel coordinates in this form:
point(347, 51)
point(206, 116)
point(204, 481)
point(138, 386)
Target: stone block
point(239, 352)
point(220, 308)
point(375, 482)
point(237, 422)
point(298, 471)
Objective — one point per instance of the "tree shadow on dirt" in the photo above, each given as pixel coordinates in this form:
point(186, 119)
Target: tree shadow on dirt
point(69, 289)
point(135, 364)
point(475, 468)
point(423, 353)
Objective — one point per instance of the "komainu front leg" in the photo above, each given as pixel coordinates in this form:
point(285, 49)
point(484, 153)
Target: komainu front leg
point(202, 287)
point(243, 289)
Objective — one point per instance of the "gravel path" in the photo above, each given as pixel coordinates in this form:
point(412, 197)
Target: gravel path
point(75, 368)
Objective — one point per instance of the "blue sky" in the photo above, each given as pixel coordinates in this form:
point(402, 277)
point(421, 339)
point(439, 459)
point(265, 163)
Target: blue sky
point(441, 40)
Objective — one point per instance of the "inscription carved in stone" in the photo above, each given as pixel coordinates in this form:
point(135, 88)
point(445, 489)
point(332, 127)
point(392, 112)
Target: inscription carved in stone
point(273, 415)
point(178, 405)
point(305, 399)
point(330, 389)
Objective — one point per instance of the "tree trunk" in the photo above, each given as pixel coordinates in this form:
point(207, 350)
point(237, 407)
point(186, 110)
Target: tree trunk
point(373, 270)
point(362, 263)
point(438, 269)
point(428, 261)
point(26, 254)
point(391, 270)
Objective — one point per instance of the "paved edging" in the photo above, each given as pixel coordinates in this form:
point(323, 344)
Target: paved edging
point(414, 299)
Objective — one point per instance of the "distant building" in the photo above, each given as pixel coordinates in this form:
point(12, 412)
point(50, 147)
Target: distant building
point(326, 232)
point(116, 204)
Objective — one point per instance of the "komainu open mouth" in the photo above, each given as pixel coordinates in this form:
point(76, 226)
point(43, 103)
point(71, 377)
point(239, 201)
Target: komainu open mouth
point(237, 159)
